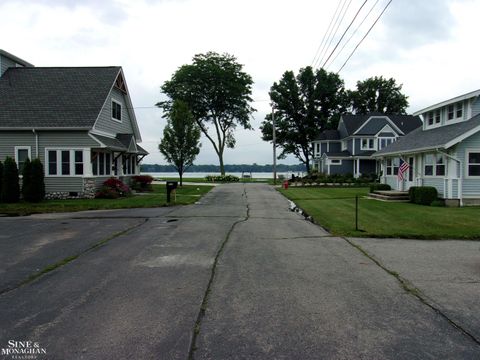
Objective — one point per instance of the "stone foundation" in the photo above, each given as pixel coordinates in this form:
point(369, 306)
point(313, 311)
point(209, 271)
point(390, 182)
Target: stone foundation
point(62, 195)
point(89, 188)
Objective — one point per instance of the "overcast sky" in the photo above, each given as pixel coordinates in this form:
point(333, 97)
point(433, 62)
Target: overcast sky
point(428, 46)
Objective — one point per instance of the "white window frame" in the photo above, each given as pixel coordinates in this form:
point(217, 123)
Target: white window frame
point(121, 109)
point(394, 165)
point(370, 141)
point(335, 162)
point(380, 138)
point(458, 106)
point(436, 157)
point(111, 172)
point(72, 162)
point(467, 164)
point(17, 148)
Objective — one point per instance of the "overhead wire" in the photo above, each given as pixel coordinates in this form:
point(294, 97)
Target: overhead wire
point(353, 34)
point(338, 23)
point(325, 34)
point(343, 35)
point(363, 38)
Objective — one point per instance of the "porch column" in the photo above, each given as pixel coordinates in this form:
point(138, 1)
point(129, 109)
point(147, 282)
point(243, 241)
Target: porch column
point(357, 168)
point(87, 163)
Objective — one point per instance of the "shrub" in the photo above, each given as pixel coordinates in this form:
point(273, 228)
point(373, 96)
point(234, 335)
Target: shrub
point(381, 187)
point(113, 188)
point(26, 179)
point(37, 182)
point(10, 186)
point(422, 195)
point(142, 183)
point(222, 178)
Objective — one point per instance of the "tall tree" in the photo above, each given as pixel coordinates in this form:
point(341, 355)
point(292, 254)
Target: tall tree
point(305, 105)
point(181, 138)
point(377, 94)
point(10, 181)
point(1, 180)
point(217, 93)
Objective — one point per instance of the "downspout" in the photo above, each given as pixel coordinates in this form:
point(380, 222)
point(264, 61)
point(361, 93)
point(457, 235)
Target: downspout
point(460, 179)
point(36, 142)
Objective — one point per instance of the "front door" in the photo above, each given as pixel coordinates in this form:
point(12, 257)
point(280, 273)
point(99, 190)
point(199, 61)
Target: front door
point(410, 173)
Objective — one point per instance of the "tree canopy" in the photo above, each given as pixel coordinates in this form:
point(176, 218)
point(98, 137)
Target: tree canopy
point(377, 94)
point(217, 92)
point(305, 105)
point(180, 144)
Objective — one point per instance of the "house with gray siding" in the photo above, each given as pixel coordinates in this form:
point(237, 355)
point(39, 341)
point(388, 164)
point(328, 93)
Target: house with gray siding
point(443, 153)
point(349, 149)
point(79, 121)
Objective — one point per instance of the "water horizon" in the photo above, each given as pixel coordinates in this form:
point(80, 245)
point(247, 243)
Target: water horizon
point(255, 175)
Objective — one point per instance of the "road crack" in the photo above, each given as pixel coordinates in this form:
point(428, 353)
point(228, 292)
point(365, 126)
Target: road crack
point(411, 289)
point(49, 268)
point(206, 297)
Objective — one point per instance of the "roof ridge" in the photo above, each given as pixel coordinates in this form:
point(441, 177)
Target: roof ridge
point(67, 67)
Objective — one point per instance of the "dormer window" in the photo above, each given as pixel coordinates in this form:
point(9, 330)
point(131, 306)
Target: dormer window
point(116, 110)
point(433, 118)
point(455, 111)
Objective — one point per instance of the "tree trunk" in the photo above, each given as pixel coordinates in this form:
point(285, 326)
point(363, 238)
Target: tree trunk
point(181, 178)
point(222, 167)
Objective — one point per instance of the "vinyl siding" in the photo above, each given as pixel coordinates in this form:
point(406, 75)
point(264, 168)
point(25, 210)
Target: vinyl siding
point(471, 187)
point(10, 139)
point(350, 144)
point(105, 121)
point(392, 181)
point(63, 184)
point(323, 148)
point(63, 139)
point(345, 168)
point(335, 146)
point(436, 182)
point(476, 106)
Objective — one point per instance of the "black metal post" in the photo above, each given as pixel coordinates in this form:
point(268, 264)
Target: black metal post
point(356, 212)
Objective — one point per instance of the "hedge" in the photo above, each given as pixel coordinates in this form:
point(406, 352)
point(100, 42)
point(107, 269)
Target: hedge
point(422, 195)
point(382, 187)
point(10, 186)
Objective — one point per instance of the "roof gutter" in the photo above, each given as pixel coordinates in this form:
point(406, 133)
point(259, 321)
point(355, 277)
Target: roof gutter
point(460, 179)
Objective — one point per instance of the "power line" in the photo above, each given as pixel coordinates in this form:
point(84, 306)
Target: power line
point(325, 34)
point(363, 38)
point(335, 32)
point(346, 30)
point(354, 32)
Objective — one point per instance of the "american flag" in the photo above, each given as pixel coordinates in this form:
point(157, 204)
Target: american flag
point(402, 169)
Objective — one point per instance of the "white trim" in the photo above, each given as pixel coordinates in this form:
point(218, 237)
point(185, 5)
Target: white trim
point(462, 137)
point(466, 96)
point(368, 148)
point(335, 164)
point(467, 152)
point(59, 150)
point(28, 148)
point(111, 109)
point(102, 133)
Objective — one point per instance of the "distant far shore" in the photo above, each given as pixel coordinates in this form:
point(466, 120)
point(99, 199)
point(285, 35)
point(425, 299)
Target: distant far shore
point(229, 168)
point(190, 175)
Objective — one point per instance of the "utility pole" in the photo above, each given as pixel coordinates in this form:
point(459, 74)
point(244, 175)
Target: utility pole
point(274, 147)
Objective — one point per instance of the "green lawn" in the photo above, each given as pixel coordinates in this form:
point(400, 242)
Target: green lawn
point(334, 209)
point(185, 195)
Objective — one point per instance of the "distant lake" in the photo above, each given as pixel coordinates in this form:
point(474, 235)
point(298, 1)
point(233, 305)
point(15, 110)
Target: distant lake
point(255, 175)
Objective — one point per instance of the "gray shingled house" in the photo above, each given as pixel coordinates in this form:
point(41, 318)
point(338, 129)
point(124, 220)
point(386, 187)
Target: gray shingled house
point(443, 153)
point(349, 149)
point(78, 121)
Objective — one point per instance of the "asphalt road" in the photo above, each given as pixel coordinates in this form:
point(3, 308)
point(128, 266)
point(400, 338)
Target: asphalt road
point(236, 276)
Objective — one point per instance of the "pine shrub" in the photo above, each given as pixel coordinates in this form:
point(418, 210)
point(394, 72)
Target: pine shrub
point(26, 179)
point(10, 187)
point(1, 180)
point(35, 177)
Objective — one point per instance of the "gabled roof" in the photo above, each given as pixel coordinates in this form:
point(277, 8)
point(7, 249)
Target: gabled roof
point(448, 102)
point(405, 123)
point(54, 97)
point(329, 135)
point(122, 143)
point(15, 58)
point(442, 137)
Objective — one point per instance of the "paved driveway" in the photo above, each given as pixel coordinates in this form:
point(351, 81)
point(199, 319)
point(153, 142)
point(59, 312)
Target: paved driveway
point(236, 276)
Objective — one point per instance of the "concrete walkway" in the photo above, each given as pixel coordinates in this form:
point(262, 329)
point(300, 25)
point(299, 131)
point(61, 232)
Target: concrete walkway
point(236, 276)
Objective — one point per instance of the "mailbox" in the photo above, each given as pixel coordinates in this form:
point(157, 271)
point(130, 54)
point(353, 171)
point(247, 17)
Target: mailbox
point(171, 186)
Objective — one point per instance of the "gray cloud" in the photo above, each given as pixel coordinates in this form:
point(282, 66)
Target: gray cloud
point(411, 23)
